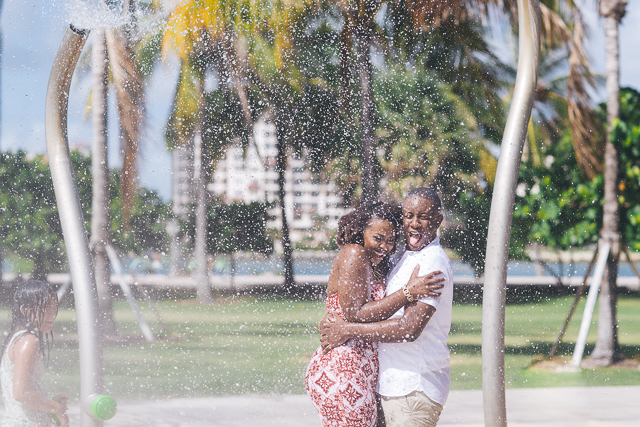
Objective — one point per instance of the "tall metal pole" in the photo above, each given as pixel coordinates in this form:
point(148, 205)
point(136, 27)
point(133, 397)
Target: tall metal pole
point(1, 72)
point(73, 227)
point(502, 203)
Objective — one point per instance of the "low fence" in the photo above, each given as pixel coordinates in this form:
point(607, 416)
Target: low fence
point(276, 280)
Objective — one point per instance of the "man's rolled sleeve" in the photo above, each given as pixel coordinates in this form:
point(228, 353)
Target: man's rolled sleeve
point(428, 266)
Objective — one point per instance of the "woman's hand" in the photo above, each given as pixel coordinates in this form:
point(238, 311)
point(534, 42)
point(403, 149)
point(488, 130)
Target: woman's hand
point(332, 332)
point(425, 286)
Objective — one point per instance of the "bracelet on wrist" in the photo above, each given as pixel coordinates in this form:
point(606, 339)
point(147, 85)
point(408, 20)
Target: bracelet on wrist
point(407, 293)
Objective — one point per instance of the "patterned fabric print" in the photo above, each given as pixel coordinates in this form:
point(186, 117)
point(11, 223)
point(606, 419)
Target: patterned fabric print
point(15, 415)
point(342, 383)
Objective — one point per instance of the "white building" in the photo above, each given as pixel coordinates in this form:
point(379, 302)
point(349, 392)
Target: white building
point(312, 207)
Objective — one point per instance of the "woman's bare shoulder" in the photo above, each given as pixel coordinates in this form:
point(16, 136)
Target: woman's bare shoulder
point(349, 260)
point(350, 251)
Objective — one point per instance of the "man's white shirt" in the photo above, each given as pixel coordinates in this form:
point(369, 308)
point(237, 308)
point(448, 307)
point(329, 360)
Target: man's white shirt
point(421, 365)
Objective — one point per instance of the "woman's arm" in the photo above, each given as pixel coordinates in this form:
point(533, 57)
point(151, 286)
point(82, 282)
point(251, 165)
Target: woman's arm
point(335, 331)
point(419, 287)
point(25, 353)
point(354, 276)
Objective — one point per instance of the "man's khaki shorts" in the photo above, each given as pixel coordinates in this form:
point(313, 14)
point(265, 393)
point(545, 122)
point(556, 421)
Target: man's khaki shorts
point(412, 410)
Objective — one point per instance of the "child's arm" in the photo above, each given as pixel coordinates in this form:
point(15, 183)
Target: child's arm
point(25, 353)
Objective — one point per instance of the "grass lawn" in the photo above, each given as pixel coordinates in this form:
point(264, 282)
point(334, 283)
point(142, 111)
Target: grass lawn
point(532, 327)
point(258, 344)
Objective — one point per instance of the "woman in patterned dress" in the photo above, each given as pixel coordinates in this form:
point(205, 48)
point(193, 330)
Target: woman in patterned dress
point(342, 382)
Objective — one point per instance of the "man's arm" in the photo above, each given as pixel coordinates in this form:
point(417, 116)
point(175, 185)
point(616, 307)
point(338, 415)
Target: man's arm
point(353, 283)
point(335, 331)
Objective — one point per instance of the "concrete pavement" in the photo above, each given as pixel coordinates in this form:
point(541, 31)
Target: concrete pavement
point(531, 407)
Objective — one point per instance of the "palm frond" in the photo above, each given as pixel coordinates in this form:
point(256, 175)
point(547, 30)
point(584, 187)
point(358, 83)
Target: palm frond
point(185, 110)
point(589, 152)
point(130, 96)
point(148, 51)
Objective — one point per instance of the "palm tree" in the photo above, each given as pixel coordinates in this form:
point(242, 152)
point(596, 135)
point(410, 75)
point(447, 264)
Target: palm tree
point(205, 34)
point(357, 35)
point(607, 350)
point(130, 101)
point(562, 29)
point(186, 126)
point(112, 51)
point(415, 19)
point(201, 174)
point(212, 32)
point(100, 171)
point(563, 26)
point(218, 33)
point(273, 59)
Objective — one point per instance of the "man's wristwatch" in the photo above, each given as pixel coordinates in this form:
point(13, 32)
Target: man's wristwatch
point(407, 294)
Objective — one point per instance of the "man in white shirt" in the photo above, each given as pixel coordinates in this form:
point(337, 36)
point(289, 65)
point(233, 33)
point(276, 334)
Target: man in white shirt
point(414, 380)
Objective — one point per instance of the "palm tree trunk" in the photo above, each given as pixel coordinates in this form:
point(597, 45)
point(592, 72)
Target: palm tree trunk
point(248, 119)
point(281, 168)
point(200, 177)
point(100, 171)
point(130, 97)
point(368, 149)
point(607, 350)
point(236, 67)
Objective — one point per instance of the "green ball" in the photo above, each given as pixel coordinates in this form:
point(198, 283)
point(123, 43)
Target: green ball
point(103, 407)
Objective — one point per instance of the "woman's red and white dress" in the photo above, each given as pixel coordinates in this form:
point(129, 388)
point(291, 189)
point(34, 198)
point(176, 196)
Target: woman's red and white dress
point(342, 382)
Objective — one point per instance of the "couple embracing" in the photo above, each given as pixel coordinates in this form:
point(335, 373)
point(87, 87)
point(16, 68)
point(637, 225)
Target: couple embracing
point(404, 305)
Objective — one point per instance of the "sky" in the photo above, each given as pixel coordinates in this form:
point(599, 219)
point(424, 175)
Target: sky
point(32, 31)
point(31, 34)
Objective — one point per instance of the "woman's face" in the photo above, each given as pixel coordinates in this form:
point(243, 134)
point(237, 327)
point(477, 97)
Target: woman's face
point(50, 314)
point(379, 239)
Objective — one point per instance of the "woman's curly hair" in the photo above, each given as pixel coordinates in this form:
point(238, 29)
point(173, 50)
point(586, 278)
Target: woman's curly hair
point(352, 225)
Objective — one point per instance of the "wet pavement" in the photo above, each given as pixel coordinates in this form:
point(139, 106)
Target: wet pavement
point(550, 407)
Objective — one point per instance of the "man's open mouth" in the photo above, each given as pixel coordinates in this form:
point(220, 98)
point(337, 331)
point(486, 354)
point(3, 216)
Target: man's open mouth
point(414, 238)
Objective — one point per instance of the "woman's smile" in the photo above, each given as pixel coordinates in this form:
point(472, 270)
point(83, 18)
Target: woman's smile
point(379, 239)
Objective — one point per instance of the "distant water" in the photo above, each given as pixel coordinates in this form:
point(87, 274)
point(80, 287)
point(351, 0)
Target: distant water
point(322, 267)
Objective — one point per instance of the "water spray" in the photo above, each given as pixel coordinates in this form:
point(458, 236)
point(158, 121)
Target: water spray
point(97, 407)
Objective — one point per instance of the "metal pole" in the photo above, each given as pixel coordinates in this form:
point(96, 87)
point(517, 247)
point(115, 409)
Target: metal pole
point(579, 293)
point(73, 227)
point(594, 288)
point(495, 283)
point(126, 290)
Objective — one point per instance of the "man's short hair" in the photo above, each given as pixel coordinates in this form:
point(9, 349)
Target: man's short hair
point(427, 194)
